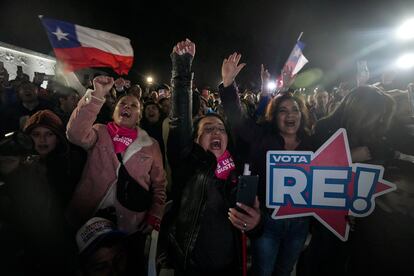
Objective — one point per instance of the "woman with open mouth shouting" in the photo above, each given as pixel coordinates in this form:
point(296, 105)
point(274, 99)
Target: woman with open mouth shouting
point(203, 229)
point(285, 128)
point(123, 178)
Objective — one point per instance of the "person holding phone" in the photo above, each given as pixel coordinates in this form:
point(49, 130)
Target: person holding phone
point(203, 230)
point(286, 127)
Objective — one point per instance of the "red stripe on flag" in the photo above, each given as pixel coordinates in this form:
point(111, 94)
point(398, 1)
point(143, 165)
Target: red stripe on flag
point(83, 57)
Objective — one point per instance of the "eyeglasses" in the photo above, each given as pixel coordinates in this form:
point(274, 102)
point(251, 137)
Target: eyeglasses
point(211, 129)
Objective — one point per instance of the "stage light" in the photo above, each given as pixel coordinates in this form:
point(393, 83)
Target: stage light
point(406, 30)
point(150, 80)
point(271, 85)
point(405, 61)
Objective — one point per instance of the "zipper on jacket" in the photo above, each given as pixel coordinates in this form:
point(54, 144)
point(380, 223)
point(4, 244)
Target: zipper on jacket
point(194, 222)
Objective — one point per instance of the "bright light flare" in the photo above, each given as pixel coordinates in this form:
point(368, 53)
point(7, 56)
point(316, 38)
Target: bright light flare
point(150, 79)
point(406, 30)
point(271, 85)
point(406, 61)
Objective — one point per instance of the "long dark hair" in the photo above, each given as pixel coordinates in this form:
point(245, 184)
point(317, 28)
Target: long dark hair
point(365, 113)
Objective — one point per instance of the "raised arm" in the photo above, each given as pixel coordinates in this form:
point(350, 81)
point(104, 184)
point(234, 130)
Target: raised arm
point(243, 127)
point(265, 92)
point(228, 90)
point(180, 135)
point(80, 129)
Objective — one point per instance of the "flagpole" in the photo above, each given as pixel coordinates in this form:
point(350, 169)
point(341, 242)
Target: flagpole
point(300, 36)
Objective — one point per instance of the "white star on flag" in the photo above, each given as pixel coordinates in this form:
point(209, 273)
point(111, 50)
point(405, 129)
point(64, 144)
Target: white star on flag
point(60, 35)
point(297, 53)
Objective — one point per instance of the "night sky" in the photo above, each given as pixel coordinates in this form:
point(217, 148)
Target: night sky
point(336, 33)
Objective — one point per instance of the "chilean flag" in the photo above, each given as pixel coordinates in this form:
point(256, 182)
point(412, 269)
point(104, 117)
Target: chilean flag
point(296, 59)
point(81, 47)
point(295, 62)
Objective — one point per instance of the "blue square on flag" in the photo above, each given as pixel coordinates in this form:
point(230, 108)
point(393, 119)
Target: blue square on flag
point(296, 59)
point(61, 34)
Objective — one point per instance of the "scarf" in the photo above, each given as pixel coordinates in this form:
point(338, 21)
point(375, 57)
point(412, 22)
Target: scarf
point(225, 165)
point(122, 137)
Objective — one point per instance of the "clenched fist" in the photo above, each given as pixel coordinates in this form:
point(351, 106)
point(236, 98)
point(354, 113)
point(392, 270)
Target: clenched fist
point(102, 85)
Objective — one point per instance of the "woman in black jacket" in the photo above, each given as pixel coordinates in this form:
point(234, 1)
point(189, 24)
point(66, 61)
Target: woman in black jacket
point(204, 228)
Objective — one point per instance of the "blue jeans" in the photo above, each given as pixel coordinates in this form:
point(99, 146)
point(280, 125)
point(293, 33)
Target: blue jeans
point(277, 249)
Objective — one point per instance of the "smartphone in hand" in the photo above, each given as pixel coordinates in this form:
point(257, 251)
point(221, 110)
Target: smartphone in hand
point(247, 190)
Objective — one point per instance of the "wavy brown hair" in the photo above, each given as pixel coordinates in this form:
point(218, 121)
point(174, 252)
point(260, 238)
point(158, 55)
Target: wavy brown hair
point(272, 110)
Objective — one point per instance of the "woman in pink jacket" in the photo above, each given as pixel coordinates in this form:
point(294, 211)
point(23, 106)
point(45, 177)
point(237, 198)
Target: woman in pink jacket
point(107, 144)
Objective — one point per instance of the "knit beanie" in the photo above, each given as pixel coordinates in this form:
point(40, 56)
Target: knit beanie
point(47, 119)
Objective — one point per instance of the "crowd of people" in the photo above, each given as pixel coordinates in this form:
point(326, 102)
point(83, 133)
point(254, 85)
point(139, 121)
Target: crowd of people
point(85, 177)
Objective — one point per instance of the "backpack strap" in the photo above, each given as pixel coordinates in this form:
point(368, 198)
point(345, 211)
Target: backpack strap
point(119, 158)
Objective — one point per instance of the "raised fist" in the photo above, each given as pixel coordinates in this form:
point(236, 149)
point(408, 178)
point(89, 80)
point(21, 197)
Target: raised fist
point(184, 47)
point(102, 85)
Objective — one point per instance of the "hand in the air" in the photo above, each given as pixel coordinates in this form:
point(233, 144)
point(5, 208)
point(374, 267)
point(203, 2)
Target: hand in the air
point(184, 47)
point(231, 68)
point(102, 85)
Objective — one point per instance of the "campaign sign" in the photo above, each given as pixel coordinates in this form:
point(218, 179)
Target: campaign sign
point(325, 184)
